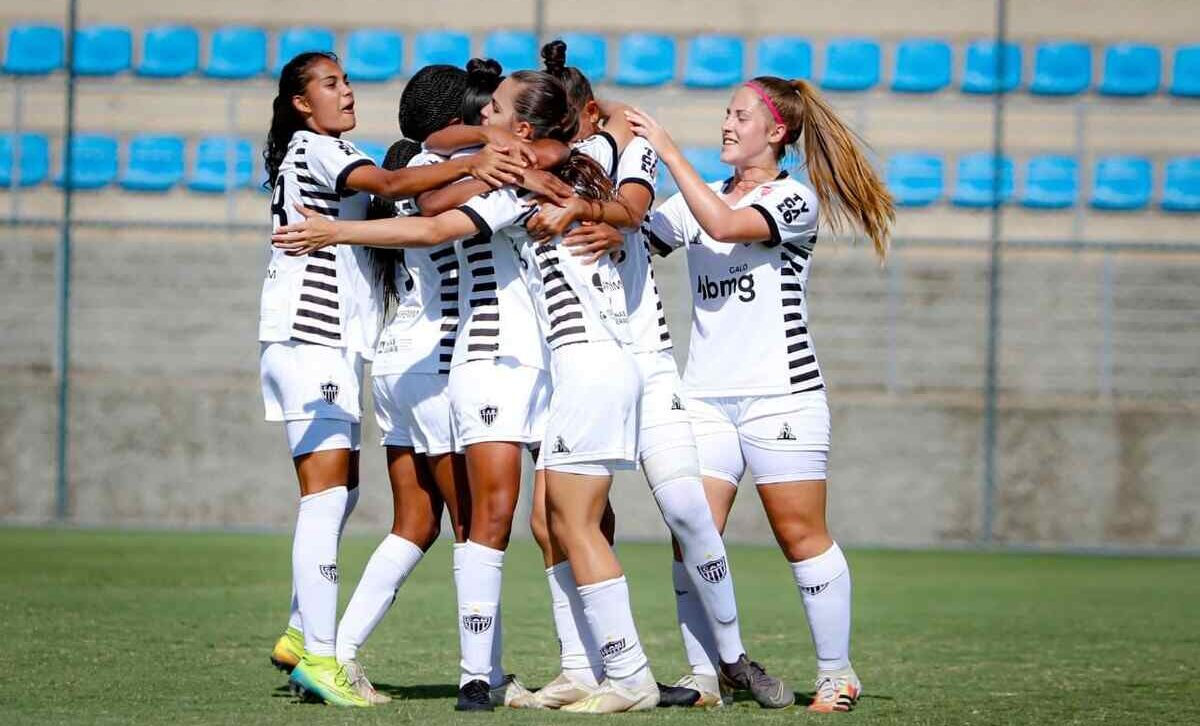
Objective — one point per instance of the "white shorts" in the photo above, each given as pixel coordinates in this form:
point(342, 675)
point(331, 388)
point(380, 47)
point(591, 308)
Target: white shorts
point(321, 434)
point(413, 411)
point(663, 400)
point(303, 381)
point(593, 417)
point(498, 400)
point(783, 438)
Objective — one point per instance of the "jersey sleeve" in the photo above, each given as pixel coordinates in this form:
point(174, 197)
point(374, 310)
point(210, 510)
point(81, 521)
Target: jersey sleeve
point(602, 148)
point(495, 210)
point(791, 213)
point(331, 160)
point(425, 158)
point(638, 165)
point(666, 227)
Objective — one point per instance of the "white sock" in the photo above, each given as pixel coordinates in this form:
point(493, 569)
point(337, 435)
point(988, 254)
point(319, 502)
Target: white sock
point(386, 571)
point(824, 583)
point(576, 649)
point(698, 640)
point(314, 566)
point(610, 618)
point(686, 512)
point(294, 620)
point(479, 605)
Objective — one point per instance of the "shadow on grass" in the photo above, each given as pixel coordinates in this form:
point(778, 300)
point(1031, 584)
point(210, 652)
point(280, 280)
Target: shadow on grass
point(805, 700)
point(422, 691)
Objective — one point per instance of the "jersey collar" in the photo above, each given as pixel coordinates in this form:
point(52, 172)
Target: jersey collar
point(727, 186)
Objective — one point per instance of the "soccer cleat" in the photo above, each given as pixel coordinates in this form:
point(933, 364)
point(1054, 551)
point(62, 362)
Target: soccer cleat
point(671, 696)
point(512, 694)
point(712, 695)
point(836, 691)
point(563, 691)
point(615, 698)
point(746, 675)
point(357, 676)
point(320, 677)
point(288, 650)
point(474, 696)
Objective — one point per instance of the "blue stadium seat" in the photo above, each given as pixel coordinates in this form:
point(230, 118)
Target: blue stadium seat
point(155, 163)
point(979, 75)
point(915, 180)
point(237, 53)
point(34, 164)
point(1181, 192)
point(851, 64)
point(373, 149)
point(93, 162)
point(1131, 70)
point(169, 51)
point(784, 56)
point(975, 186)
point(1185, 78)
point(1051, 182)
point(1121, 183)
point(1061, 69)
point(645, 59)
point(374, 55)
point(589, 53)
point(294, 41)
point(33, 50)
point(440, 46)
point(922, 66)
point(103, 50)
point(713, 61)
point(515, 50)
point(210, 172)
point(707, 162)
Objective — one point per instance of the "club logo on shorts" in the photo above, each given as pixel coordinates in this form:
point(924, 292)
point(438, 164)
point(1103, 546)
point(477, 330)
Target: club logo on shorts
point(560, 446)
point(785, 433)
point(330, 572)
point(814, 590)
point(329, 391)
point(476, 623)
point(676, 402)
point(612, 649)
point(488, 413)
point(714, 570)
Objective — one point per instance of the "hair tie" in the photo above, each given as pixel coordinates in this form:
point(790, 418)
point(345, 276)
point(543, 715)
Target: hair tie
point(762, 93)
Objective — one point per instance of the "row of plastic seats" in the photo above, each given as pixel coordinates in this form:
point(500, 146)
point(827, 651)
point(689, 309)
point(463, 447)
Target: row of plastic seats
point(643, 59)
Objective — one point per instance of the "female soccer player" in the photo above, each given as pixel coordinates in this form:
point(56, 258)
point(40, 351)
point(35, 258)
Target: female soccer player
point(749, 240)
point(702, 578)
point(318, 322)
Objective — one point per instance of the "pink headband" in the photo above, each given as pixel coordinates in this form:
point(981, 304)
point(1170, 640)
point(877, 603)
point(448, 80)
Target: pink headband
point(762, 93)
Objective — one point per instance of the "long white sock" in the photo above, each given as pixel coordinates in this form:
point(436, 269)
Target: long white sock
point(294, 620)
point(314, 566)
point(576, 648)
point(386, 571)
point(698, 640)
point(479, 604)
point(686, 512)
point(610, 618)
point(824, 583)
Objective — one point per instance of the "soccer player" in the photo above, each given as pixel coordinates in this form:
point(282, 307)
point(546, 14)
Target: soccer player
point(317, 324)
point(755, 391)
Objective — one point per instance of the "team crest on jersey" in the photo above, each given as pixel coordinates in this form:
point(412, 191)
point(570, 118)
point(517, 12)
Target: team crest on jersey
point(612, 649)
point(476, 623)
point(488, 414)
point(560, 446)
point(785, 433)
point(330, 572)
point(676, 402)
point(814, 590)
point(714, 570)
point(329, 391)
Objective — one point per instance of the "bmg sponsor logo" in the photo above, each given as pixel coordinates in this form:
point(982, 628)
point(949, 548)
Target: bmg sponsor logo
point(739, 283)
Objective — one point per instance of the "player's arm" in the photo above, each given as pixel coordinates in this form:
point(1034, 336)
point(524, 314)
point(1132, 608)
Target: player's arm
point(548, 155)
point(592, 241)
point(491, 167)
point(625, 212)
point(316, 231)
point(615, 123)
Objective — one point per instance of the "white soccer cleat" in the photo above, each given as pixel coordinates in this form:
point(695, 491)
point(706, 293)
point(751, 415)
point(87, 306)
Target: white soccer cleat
point(837, 691)
point(357, 676)
point(512, 694)
point(709, 688)
point(563, 691)
point(615, 698)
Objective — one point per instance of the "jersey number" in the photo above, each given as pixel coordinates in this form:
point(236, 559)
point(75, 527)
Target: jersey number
point(278, 211)
point(791, 208)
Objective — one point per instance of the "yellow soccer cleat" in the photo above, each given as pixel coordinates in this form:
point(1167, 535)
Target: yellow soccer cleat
point(563, 691)
point(836, 692)
point(320, 677)
point(614, 698)
point(288, 650)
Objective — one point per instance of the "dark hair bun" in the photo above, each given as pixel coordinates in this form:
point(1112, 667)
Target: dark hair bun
point(484, 67)
point(554, 57)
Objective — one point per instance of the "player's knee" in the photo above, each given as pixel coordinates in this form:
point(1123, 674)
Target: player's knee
point(802, 538)
point(685, 509)
point(539, 527)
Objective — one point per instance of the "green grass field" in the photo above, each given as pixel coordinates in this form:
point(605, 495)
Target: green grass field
point(105, 627)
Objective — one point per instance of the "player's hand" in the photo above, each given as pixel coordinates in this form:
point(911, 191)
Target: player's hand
point(592, 241)
point(552, 220)
point(496, 166)
point(644, 125)
point(302, 238)
point(520, 149)
point(546, 185)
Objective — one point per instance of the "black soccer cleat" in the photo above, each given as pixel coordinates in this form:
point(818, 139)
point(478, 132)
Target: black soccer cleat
point(672, 696)
point(475, 696)
point(746, 675)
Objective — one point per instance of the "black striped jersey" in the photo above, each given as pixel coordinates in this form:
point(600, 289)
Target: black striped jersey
point(419, 337)
point(750, 315)
point(638, 164)
point(326, 297)
point(496, 313)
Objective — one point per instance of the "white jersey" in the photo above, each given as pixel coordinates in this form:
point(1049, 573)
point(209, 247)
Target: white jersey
point(750, 316)
point(326, 297)
point(495, 309)
point(647, 319)
point(420, 337)
point(602, 148)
